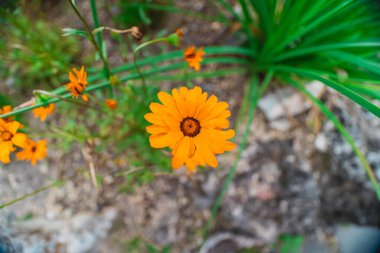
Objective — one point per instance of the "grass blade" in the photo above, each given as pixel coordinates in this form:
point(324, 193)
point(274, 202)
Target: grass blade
point(318, 75)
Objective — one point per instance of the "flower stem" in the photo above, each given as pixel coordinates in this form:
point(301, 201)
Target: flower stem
point(98, 45)
point(55, 183)
point(46, 93)
point(135, 58)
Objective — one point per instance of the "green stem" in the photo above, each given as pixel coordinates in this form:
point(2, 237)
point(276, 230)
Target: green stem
point(103, 53)
point(56, 183)
point(91, 36)
point(46, 93)
point(135, 57)
point(133, 76)
point(254, 98)
point(94, 13)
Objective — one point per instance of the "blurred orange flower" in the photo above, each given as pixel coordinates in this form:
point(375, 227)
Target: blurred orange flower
point(33, 151)
point(10, 137)
point(78, 83)
point(179, 32)
point(43, 111)
point(191, 125)
point(111, 104)
point(194, 57)
point(4, 110)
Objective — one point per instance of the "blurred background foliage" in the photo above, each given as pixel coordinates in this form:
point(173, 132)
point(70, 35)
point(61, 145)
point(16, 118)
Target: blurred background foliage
point(142, 13)
point(35, 53)
point(37, 56)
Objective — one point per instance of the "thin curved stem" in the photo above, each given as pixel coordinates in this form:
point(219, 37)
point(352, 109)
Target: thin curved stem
point(91, 36)
point(46, 93)
point(135, 57)
point(55, 183)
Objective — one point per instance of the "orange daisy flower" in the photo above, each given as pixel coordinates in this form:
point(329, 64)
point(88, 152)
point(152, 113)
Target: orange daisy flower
point(43, 111)
point(191, 125)
point(78, 83)
point(194, 57)
point(4, 110)
point(33, 151)
point(111, 104)
point(8, 138)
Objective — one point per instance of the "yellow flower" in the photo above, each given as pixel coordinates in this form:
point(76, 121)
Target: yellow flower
point(114, 80)
point(78, 83)
point(9, 137)
point(33, 151)
point(43, 111)
point(194, 58)
point(6, 109)
point(191, 125)
point(111, 104)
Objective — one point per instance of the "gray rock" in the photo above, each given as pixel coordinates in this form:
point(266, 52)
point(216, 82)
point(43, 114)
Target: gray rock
point(354, 239)
point(287, 103)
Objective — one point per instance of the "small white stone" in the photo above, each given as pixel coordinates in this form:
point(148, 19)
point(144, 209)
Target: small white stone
point(321, 143)
point(282, 125)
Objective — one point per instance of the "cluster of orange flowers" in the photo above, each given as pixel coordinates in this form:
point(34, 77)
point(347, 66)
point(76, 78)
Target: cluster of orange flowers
point(193, 125)
point(11, 139)
point(78, 84)
point(186, 121)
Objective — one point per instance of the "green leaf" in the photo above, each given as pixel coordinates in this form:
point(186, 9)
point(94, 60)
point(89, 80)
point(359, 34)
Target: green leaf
point(318, 75)
point(72, 31)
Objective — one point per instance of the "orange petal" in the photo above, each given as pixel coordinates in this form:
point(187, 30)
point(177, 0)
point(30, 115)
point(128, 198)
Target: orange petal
point(201, 141)
point(19, 139)
point(206, 108)
point(192, 99)
point(166, 111)
point(13, 126)
point(182, 153)
point(216, 123)
point(166, 99)
point(157, 129)
point(164, 140)
point(180, 103)
point(218, 109)
point(154, 119)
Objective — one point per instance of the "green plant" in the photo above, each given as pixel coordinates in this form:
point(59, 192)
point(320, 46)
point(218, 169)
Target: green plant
point(137, 12)
point(35, 53)
point(336, 42)
point(148, 12)
point(290, 243)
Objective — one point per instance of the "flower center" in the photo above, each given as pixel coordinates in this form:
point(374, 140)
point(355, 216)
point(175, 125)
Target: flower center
point(34, 149)
point(6, 136)
point(190, 55)
point(190, 127)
